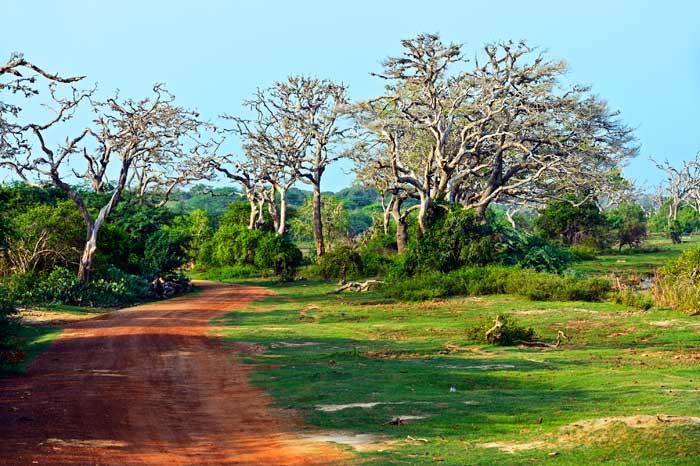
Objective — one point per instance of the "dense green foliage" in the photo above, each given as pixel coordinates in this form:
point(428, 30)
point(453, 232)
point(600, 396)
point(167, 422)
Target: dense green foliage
point(508, 332)
point(573, 223)
point(476, 281)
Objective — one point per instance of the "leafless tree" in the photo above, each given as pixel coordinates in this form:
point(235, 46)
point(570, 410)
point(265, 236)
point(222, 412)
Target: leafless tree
point(125, 134)
point(505, 129)
point(314, 108)
point(19, 77)
point(681, 185)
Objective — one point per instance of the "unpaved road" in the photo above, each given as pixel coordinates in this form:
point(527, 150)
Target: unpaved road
point(149, 386)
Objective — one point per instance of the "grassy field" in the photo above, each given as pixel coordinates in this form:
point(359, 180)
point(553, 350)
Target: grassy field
point(656, 251)
point(512, 405)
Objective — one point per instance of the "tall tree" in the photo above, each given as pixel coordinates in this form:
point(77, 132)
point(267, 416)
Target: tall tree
point(506, 129)
point(151, 133)
point(314, 107)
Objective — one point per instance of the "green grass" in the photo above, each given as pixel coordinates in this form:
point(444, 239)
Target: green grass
point(655, 252)
point(337, 349)
point(33, 341)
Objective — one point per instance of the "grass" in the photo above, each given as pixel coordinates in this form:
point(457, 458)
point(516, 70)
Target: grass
point(655, 252)
point(359, 348)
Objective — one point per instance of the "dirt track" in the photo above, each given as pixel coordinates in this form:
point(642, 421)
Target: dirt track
point(147, 386)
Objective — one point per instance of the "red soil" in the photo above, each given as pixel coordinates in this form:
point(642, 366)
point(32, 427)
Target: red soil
point(149, 386)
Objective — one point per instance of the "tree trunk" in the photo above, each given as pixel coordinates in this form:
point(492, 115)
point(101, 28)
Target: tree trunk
point(282, 227)
point(318, 224)
point(88, 253)
point(253, 214)
point(423, 213)
point(401, 226)
point(481, 212)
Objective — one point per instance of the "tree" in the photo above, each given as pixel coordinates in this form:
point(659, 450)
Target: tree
point(506, 129)
point(572, 222)
point(152, 133)
point(333, 216)
point(682, 185)
point(12, 132)
point(314, 107)
point(629, 224)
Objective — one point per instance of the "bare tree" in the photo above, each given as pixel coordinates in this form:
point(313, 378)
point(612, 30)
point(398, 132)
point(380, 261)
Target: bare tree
point(314, 108)
point(273, 145)
point(250, 176)
point(124, 134)
point(502, 130)
point(680, 184)
point(14, 82)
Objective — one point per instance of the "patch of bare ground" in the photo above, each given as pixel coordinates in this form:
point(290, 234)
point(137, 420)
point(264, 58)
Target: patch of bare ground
point(589, 431)
point(50, 318)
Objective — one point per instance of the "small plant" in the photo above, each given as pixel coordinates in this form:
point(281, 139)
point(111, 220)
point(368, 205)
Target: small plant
point(503, 330)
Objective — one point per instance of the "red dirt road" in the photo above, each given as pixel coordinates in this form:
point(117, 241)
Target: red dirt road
point(147, 386)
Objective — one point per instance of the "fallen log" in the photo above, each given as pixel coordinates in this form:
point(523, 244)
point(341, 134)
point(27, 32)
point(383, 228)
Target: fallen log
point(541, 344)
point(358, 286)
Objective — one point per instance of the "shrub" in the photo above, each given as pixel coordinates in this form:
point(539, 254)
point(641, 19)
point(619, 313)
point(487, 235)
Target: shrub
point(543, 256)
point(538, 286)
point(629, 297)
point(228, 272)
point(10, 353)
point(277, 253)
point(677, 284)
point(503, 330)
point(583, 252)
point(165, 251)
point(340, 262)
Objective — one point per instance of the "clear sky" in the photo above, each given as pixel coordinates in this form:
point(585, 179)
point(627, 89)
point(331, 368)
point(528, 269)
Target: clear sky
point(642, 56)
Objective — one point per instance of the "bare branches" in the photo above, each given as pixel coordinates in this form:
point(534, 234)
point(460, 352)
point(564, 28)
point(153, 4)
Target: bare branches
point(502, 130)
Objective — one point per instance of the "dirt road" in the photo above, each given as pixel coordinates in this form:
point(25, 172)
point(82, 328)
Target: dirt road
point(148, 386)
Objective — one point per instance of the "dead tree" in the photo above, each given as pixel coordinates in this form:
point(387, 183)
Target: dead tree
point(314, 107)
point(680, 187)
point(501, 130)
point(124, 134)
point(13, 81)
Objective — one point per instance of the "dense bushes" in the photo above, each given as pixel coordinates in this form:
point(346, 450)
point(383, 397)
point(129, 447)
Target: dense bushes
point(114, 288)
point(236, 250)
point(677, 284)
point(475, 281)
point(9, 325)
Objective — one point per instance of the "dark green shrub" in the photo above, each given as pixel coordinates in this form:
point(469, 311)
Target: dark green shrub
point(277, 253)
point(229, 272)
point(10, 352)
point(341, 262)
point(165, 251)
point(538, 286)
point(539, 254)
point(503, 330)
point(675, 232)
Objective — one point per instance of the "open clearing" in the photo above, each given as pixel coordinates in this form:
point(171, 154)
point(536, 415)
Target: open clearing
point(622, 390)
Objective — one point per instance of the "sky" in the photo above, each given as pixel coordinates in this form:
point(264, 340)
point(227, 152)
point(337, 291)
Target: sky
point(643, 57)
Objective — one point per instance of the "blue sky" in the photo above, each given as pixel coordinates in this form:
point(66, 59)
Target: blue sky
point(641, 56)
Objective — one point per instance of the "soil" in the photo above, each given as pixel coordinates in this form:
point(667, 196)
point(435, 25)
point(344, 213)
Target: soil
point(150, 385)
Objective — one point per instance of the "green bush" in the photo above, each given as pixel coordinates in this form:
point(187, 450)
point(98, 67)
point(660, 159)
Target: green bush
point(229, 272)
point(341, 262)
point(10, 352)
point(632, 298)
point(677, 284)
point(165, 251)
point(539, 254)
point(475, 281)
point(510, 332)
point(583, 253)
